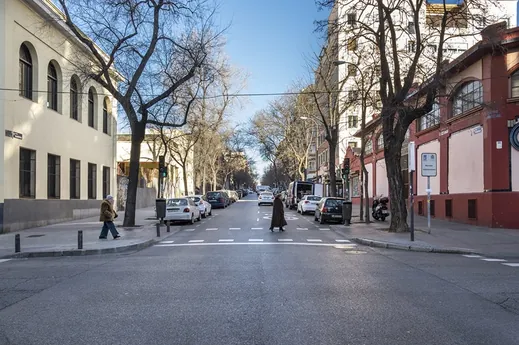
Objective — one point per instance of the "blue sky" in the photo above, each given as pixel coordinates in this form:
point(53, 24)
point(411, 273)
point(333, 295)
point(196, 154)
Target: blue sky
point(272, 41)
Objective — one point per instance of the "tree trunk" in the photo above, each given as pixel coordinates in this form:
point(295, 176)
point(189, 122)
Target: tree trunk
point(331, 167)
point(184, 173)
point(204, 189)
point(393, 154)
point(138, 132)
point(215, 177)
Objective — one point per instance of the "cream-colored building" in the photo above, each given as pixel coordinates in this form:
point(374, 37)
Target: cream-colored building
point(151, 148)
point(59, 127)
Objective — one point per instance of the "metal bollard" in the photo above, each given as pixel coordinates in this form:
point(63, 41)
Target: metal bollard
point(17, 243)
point(80, 239)
point(168, 227)
point(158, 229)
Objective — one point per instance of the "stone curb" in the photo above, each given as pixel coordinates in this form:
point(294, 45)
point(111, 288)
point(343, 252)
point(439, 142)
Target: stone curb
point(84, 252)
point(412, 248)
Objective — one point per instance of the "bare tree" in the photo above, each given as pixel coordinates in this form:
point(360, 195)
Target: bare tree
point(142, 52)
point(410, 36)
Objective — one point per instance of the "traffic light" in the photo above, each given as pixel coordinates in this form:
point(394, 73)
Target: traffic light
point(345, 168)
point(163, 169)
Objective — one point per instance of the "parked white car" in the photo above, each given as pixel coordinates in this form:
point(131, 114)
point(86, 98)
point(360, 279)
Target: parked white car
point(204, 207)
point(308, 204)
point(266, 198)
point(182, 209)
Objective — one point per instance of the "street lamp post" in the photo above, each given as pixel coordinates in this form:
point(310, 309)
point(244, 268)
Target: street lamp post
point(316, 142)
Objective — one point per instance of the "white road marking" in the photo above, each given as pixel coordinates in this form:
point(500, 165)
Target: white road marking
point(4, 260)
point(472, 256)
point(512, 264)
point(189, 230)
point(197, 226)
point(324, 229)
point(234, 228)
point(343, 241)
point(313, 240)
point(494, 260)
point(302, 228)
point(257, 219)
point(167, 242)
point(285, 240)
point(256, 228)
point(255, 240)
point(211, 229)
point(196, 241)
point(228, 240)
point(335, 245)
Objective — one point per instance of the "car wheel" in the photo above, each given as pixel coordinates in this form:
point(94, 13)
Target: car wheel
point(192, 221)
point(199, 217)
point(211, 212)
point(303, 212)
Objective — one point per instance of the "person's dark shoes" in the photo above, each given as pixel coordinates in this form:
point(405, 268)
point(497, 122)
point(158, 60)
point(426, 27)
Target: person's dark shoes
point(116, 237)
point(271, 229)
point(102, 238)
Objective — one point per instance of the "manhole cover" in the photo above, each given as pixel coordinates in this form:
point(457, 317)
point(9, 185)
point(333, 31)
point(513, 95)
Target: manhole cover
point(35, 235)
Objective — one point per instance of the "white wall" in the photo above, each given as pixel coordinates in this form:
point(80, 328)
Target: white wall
point(382, 185)
point(466, 161)
point(369, 168)
point(45, 130)
point(515, 170)
point(430, 147)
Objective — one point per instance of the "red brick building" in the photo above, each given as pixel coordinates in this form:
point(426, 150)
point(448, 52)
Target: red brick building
point(470, 131)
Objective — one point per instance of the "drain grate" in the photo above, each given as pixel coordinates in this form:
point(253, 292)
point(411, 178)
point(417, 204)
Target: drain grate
point(35, 235)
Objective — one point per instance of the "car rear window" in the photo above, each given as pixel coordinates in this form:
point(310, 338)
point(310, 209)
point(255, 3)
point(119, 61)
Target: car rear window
point(314, 198)
point(213, 195)
point(333, 202)
point(195, 198)
point(177, 202)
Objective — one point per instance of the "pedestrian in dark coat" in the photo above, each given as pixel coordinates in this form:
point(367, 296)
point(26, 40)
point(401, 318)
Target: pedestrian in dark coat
point(107, 216)
point(278, 215)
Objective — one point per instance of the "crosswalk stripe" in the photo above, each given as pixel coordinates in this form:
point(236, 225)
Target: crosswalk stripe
point(234, 228)
point(256, 228)
point(511, 264)
point(4, 260)
point(343, 241)
point(226, 240)
point(212, 229)
point(189, 230)
point(494, 260)
point(255, 240)
point(196, 241)
point(313, 240)
point(324, 229)
point(167, 242)
point(302, 228)
point(285, 240)
point(472, 256)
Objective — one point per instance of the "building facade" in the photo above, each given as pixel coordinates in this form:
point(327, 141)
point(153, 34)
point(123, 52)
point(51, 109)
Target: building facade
point(58, 145)
point(472, 130)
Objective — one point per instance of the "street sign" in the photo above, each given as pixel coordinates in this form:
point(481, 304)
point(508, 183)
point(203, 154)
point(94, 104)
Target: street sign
point(411, 156)
point(429, 165)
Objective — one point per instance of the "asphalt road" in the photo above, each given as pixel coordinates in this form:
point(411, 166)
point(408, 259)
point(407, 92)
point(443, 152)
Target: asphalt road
point(217, 283)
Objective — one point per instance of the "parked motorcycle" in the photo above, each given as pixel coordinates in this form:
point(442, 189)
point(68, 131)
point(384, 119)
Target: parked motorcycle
point(379, 209)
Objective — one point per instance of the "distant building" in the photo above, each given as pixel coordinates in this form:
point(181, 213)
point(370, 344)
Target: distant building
point(58, 141)
point(473, 131)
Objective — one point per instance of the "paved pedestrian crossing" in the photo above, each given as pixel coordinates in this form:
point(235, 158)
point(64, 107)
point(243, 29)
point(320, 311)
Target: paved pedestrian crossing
point(497, 260)
point(257, 240)
point(257, 228)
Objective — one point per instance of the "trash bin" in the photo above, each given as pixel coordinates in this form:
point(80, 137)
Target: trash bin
point(160, 206)
point(346, 212)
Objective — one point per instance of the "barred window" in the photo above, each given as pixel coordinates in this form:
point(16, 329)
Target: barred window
point(467, 97)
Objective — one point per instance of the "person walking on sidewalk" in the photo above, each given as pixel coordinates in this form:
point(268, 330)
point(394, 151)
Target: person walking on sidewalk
point(107, 216)
point(278, 215)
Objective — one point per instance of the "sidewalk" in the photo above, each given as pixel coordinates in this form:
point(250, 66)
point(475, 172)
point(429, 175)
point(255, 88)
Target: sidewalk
point(445, 237)
point(62, 239)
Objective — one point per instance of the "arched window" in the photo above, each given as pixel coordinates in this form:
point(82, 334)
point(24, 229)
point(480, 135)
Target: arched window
point(467, 97)
point(52, 87)
point(106, 114)
point(514, 84)
point(368, 148)
point(91, 108)
point(74, 99)
point(380, 142)
point(25, 81)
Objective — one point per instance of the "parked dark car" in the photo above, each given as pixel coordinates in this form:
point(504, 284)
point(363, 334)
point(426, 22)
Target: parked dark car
point(218, 199)
point(329, 209)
